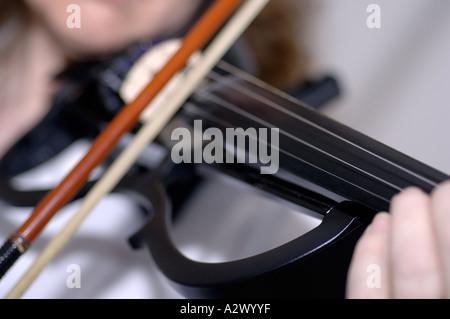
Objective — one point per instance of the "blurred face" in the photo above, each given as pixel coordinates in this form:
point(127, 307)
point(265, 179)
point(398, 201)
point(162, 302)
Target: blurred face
point(109, 25)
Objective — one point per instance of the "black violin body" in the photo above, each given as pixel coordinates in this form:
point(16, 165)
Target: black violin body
point(325, 166)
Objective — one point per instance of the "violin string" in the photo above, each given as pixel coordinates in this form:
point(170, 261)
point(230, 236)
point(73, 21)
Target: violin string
point(194, 76)
point(255, 118)
point(219, 78)
point(223, 123)
point(315, 125)
point(230, 106)
point(278, 107)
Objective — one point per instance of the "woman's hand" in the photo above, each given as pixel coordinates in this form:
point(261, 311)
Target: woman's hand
point(405, 254)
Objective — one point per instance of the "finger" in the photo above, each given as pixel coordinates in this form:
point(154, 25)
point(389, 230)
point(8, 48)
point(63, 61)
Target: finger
point(441, 209)
point(415, 266)
point(368, 273)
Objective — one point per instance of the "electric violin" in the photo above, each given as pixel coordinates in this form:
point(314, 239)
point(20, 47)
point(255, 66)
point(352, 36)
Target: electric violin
point(279, 147)
point(325, 167)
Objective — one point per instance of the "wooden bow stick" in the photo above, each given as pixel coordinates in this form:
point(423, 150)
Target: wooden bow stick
point(222, 42)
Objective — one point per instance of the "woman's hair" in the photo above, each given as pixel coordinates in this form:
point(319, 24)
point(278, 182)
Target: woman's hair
point(275, 39)
point(15, 19)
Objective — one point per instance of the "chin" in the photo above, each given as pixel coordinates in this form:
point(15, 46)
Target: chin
point(91, 41)
point(83, 50)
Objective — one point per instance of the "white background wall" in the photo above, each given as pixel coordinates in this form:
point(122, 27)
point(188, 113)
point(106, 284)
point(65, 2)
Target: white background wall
point(395, 80)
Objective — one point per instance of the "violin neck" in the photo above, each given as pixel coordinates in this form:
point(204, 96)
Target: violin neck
point(314, 151)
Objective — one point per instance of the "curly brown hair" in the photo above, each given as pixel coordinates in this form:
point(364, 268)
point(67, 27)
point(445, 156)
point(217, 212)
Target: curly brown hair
point(277, 41)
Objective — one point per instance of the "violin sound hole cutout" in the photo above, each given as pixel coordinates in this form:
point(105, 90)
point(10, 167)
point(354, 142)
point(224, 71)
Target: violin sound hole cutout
point(226, 220)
